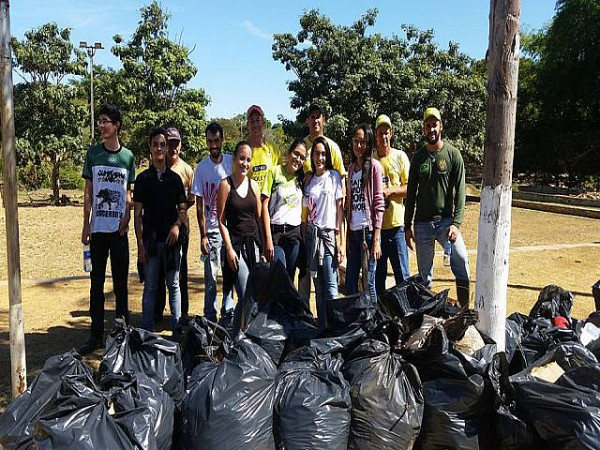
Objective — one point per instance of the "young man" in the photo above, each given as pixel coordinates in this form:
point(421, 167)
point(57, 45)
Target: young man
point(395, 177)
point(207, 176)
point(436, 187)
point(265, 154)
point(181, 168)
point(160, 208)
point(108, 171)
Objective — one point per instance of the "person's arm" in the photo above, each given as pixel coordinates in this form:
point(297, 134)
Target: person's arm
point(459, 198)
point(138, 208)
point(269, 249)
point(409, 204)
point(261, 226)
point(87, 209)
point(339, 235)
point(232, 258)
point(378, 207)
point(191, 198)
point(124, 223)
point(201, 224)
point(173, 235)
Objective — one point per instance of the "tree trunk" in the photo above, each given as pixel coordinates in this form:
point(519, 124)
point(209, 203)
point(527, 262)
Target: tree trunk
point(55, 180)
point(496, 193)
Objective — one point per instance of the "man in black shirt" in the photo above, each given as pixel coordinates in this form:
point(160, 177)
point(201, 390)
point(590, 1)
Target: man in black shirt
point(160, 208)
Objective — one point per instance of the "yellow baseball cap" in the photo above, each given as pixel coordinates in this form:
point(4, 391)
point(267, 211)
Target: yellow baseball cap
point(382, 120)
point(432, 112)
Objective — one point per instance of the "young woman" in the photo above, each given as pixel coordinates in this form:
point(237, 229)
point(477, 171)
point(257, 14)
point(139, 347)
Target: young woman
point(365, 212)
point(324, 242)
point(238, 211)
point(282, 208)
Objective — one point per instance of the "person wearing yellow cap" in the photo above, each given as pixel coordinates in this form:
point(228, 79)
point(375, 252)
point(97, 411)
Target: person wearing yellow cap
point(395, 165)
point(436, 189)
point(265, 154)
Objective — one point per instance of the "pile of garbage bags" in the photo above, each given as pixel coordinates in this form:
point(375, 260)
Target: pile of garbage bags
point(410, 371)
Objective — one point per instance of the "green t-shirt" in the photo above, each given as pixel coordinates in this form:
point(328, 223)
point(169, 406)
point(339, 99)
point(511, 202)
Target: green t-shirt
point(285, 196)
point(436, 186)
point(111, 173)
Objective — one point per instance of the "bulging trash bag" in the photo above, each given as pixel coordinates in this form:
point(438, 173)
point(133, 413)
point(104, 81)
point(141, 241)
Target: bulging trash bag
point(412, 298)
point(273, 310)
point(387, 398)
point(18, 420)
point(78, 417)
point(312, 403)
point(229, 405)
point(137, 350)
point(203, 341)
point(553, 301)
point(129, 392)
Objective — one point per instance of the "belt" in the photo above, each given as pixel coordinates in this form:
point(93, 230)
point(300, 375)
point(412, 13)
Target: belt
point(283, 228)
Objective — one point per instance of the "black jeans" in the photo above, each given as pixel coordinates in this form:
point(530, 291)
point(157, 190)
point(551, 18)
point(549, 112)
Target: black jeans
point(161, 292)
point(101, 246)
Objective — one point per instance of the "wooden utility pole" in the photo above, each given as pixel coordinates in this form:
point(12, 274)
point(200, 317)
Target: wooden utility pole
point(496, 193)
point(17, 336)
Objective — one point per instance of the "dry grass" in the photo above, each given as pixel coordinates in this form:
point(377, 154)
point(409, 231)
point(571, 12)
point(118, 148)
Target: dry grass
point(56, 291)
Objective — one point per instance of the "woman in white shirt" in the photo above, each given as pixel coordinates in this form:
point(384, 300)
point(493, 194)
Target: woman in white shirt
point(324, 243)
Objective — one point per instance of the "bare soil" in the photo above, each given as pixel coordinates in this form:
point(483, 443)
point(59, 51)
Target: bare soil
point(546, 249)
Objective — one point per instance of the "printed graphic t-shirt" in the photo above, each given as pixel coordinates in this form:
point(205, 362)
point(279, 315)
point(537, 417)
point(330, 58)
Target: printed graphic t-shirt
point(263, 157)
point(285, 197)
point(207, 177)
point(321, 196)
point(358, 219)
point(110, 174)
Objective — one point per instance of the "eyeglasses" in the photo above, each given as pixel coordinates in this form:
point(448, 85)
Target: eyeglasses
point(104, 122)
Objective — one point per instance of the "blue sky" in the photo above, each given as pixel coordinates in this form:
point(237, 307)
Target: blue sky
point(232, 39)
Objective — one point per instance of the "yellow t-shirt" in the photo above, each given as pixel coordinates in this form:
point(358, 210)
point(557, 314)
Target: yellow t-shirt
point(395, 173)
point(336, 156)
point(263, 157)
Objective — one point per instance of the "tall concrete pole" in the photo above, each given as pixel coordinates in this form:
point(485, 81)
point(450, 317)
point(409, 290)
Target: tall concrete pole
point(496, 193)
point(18, 370)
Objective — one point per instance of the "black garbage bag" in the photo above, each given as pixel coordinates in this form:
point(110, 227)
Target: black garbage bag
point(137, 350)
point(18, 420)
point(553, 301)
point(454, 398)
point(229, 405)
point(130, 391)
point(410, 297)
point(203, 341)
point(78, 417)
point(312, 402)
point(273, 310)
point(387, 398)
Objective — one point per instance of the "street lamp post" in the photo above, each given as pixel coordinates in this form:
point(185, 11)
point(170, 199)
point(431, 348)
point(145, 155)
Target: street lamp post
point(91, 51)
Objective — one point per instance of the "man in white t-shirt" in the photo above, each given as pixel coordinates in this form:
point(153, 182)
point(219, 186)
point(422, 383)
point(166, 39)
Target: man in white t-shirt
point(209, 173)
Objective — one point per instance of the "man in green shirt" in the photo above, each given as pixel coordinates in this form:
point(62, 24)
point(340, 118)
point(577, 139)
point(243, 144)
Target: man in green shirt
point(436, 187)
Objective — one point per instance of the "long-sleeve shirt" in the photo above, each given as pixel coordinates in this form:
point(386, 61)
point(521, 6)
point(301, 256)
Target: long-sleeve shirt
point(436, 186)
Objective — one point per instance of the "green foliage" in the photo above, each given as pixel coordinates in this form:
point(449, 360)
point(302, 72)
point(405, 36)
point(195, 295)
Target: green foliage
point(48, 116)
point(70, 176)
point(559, 94)
point(358, 75)
point(151, 87)
point(34, 176)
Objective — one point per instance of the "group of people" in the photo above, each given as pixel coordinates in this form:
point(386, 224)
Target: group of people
point(304, 210)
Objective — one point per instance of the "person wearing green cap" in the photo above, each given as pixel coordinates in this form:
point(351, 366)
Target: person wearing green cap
point(395, 165)
point(436, 188)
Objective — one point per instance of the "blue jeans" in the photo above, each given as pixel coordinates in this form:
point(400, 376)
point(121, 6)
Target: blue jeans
point(239, 279)
point(356, 253)
point(426, 233)
point(152, 269)
point(212, 262)
point(393, 247)
point(286, 251)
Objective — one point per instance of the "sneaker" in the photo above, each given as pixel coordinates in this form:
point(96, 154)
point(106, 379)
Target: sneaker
point(91, 345)
point(185, 320)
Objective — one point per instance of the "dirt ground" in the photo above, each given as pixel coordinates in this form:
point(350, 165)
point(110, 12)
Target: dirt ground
point(546, 249)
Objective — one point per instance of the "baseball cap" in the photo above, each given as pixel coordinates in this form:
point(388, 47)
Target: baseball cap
point(255, 108)
point(316, 107)
point(173, 134)
point(429, 112)
point(382, 119)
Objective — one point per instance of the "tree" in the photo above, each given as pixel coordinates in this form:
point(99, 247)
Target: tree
point(357, 76)
point(152, 86)
point(49, 116)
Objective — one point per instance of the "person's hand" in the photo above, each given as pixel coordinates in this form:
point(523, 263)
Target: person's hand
point(142, 255)
point(232, 259)
point(124, 223)
point(452, 233)
point(204, 245)
point(269, 251)
point(408, 237)
point(341, 254)
point(173, 235)
point(85, 234)
point(376, 252)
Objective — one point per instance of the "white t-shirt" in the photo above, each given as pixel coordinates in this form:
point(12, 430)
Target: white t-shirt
point(320, 198)
point(207, 177)
point(358, 219)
